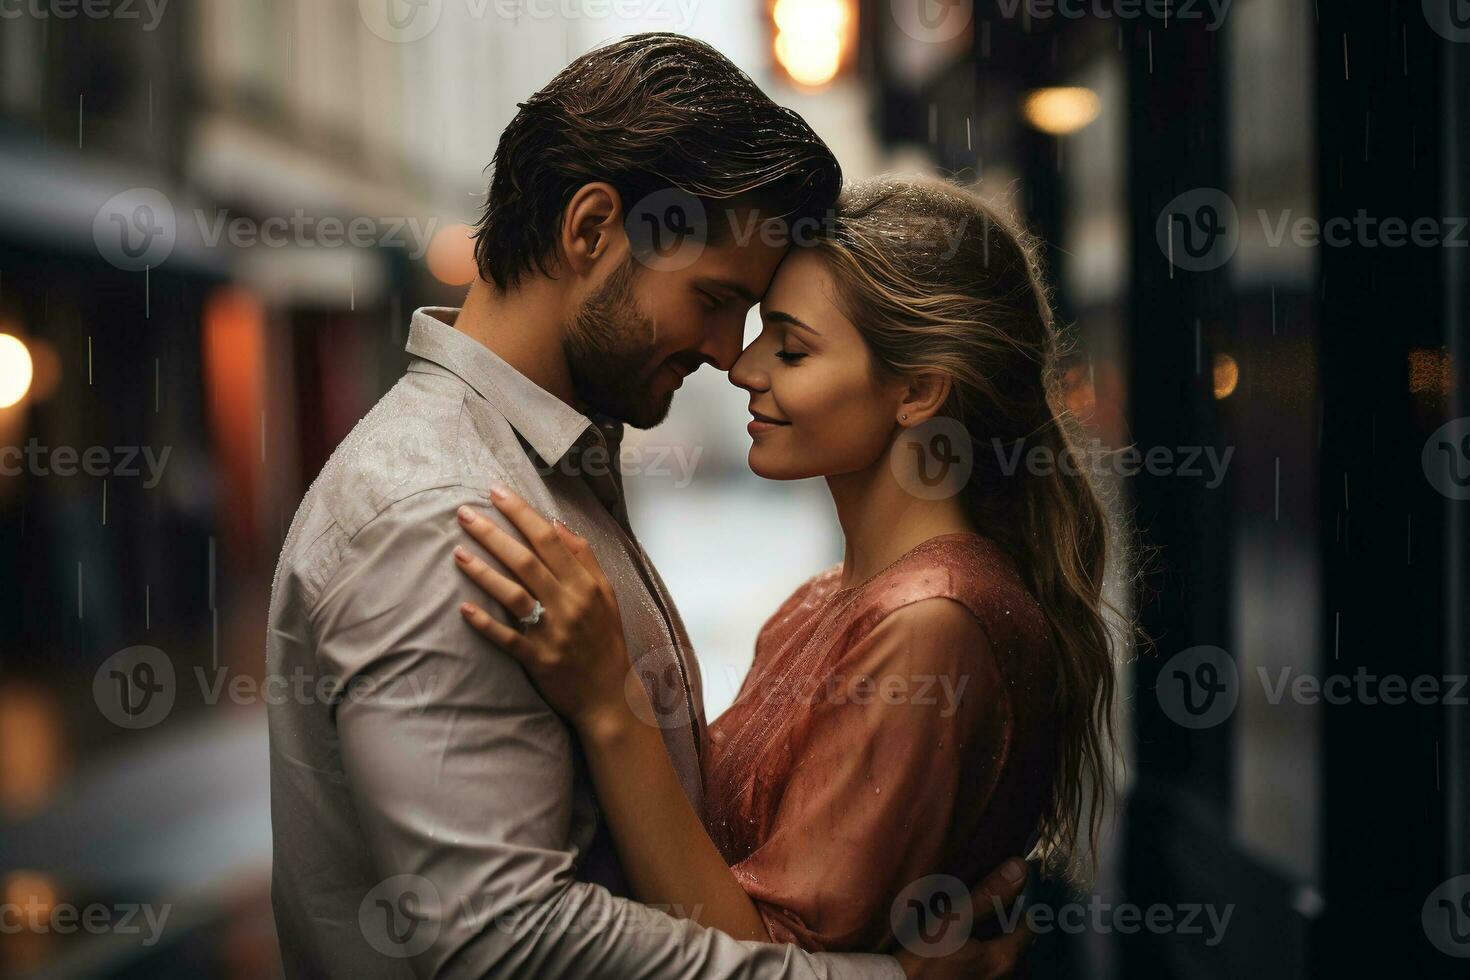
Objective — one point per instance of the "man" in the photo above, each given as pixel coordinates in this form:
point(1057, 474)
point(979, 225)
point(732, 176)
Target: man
point(431, 816)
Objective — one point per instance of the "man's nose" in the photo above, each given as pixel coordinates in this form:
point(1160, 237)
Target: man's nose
point(723, 346)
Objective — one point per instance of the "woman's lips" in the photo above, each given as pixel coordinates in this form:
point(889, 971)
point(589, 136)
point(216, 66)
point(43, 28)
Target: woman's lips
point(763, 423)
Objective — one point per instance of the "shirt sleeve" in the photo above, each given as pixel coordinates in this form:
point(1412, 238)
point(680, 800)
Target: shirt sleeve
point(462, 779)
point(870, 805)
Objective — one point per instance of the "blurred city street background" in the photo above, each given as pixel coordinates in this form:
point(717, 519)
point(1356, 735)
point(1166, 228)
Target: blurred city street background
point(216, 217)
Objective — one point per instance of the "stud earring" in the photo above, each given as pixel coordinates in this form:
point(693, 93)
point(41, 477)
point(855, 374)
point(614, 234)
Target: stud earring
point(904, 417)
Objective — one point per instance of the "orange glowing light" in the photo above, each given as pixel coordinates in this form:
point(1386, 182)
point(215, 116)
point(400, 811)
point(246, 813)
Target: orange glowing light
point(813, 39)
point(16, 369)
point(451, 255)
point(1431, 371)
point(32, 750)
point(47, 369)
point(1227, 376)
point(1078, 393)
point(234, 374)
point(1061, 110)
point(30, 895)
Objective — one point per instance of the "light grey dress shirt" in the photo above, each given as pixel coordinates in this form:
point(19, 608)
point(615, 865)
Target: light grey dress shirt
point(432, 817)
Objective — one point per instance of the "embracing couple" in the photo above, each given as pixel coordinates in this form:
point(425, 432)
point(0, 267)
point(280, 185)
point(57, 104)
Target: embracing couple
point(552, 803)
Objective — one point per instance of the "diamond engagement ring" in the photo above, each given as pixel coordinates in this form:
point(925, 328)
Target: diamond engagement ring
point(535, 616)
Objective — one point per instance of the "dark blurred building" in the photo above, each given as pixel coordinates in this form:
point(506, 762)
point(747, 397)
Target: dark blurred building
point(1325, 366)
point(174, 196)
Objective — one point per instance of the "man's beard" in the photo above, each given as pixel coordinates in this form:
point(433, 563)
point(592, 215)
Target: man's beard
point(607, 349)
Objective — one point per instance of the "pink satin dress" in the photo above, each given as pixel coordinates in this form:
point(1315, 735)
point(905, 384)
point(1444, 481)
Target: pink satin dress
point(892, 730)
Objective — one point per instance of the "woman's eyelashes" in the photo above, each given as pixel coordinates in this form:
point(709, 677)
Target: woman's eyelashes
point(788, 348)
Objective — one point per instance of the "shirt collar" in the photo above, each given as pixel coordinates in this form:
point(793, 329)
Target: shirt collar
point(547, 423)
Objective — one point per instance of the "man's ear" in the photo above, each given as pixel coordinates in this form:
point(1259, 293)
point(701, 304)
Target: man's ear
point(923, 397)
point(592, 228)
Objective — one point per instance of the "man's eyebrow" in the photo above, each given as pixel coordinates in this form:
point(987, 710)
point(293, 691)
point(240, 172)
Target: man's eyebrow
point(780, 316)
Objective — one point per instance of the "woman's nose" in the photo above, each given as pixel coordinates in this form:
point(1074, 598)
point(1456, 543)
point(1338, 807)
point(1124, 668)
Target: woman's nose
point(747, 374)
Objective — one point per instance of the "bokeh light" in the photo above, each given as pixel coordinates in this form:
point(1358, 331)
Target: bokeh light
point(16, 370)
point(812, 37)
point(1061, 110)
point(32, 749)
point(1227, 375)
point(451, 255)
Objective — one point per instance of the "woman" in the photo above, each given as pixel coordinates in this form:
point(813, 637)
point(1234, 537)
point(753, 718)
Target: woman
point(938, 701)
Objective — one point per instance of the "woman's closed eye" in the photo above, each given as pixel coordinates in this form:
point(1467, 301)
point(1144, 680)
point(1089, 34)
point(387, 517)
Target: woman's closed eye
point(790, 356)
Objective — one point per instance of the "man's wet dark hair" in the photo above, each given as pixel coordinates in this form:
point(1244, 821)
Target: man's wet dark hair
point(647, 113)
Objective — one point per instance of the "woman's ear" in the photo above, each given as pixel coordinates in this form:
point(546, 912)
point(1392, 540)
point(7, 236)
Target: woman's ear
point(923, 397)
point(592, 227)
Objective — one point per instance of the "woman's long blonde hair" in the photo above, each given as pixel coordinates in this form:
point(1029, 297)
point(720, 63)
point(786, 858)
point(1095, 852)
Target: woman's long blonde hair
point(936, 279)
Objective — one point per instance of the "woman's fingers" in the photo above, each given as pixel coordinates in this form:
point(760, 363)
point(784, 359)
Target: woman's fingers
point(510, 640)
point(1003, 956)
point(515, 556)
point(536, 529)
point(999, 889)
point(503, 589)
point(576, 546)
